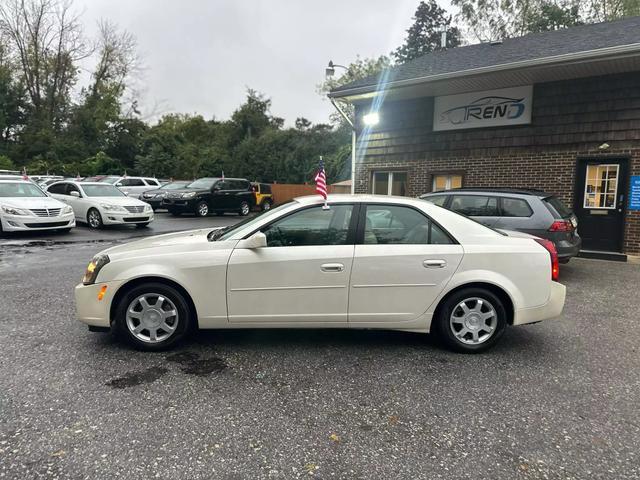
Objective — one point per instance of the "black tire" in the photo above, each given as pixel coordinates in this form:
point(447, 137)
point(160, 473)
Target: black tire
point(142, 225)
point(184, 320)
point(94, 222)
point(266, 206)
point(202, 209)
point(244, 209)
point(445, 329)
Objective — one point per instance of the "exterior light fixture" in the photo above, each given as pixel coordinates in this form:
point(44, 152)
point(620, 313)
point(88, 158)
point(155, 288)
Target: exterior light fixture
point(371, 119)
point(331, 69)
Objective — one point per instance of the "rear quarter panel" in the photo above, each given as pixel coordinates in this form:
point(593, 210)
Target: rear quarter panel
point(519, 266)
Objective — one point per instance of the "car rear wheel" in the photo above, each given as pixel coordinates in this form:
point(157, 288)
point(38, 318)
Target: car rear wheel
point(202, 209)
point(153, 316)
point(244, 209)
point(94, 219)
point(471, 320)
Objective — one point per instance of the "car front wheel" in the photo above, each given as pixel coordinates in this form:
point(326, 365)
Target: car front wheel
point(202, 209)
point(266, 205)
point(152, 316)
point(94, 219)
point(471, 320)
point(244, 209)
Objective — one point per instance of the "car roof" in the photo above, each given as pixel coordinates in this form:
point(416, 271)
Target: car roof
point(365, 198)
point(496, 190)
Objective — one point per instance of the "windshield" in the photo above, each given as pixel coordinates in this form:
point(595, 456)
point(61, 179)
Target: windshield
point(174, 186)
point(203, 183)
point(19, 189)
point(110, 180)
point(102, 191)
point(226, 233)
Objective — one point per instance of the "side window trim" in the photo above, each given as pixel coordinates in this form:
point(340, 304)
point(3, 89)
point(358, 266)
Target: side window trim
point(362, 219)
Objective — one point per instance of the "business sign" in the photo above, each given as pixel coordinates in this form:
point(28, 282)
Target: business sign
point(491, 108)
point(634, 193)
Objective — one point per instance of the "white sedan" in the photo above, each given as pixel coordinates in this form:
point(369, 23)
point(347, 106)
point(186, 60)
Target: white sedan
point(366, 262)
point(25, 207)
point(98, 204)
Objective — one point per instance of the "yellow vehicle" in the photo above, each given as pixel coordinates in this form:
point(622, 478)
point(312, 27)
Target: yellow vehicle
point(264, 197)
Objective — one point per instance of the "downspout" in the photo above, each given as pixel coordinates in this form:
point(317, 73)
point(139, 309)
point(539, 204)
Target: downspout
point(353, 143)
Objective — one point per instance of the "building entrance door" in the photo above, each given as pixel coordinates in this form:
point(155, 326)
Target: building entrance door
point(599, 203)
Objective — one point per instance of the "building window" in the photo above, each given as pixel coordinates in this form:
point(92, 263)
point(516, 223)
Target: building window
point(601, 186)
point(389, 183)
point(446, 182)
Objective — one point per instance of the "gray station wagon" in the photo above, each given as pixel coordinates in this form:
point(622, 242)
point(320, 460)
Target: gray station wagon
point(529, 211)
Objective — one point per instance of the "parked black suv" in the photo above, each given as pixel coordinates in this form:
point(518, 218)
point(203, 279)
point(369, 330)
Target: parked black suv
point(211, 194)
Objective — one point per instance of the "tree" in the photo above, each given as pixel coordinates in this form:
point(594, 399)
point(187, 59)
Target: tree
point(489, 20)
point(607, 10)
point(425, 35)
point(357, 70)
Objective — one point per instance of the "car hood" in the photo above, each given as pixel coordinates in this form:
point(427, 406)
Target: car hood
point(167, 243)
point(31, 202)
point(122, 201)
point(187, 190)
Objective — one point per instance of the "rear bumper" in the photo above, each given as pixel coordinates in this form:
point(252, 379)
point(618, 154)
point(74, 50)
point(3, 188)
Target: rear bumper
point(568, 248)
point(551, 309)
point(89, 309)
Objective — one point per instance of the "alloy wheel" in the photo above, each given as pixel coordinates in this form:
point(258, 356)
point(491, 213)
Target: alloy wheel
point(266, 206)
point(152, 318)
point(94, 219)
point(203, 209)
point(473, 321)
point(244, 209)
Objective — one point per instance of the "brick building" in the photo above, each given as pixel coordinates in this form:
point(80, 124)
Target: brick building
point(557, 111)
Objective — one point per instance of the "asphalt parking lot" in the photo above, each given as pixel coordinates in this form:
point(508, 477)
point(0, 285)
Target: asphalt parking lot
point(556, 400)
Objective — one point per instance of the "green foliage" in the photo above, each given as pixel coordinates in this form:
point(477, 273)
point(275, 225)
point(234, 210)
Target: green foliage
point(425, 35)
point(6, 163)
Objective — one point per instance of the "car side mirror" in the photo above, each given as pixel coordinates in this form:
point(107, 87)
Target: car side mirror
point(257, 240)
point(75, 194)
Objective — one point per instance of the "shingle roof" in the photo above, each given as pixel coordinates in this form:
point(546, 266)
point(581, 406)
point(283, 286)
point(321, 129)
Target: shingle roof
point(529, 47)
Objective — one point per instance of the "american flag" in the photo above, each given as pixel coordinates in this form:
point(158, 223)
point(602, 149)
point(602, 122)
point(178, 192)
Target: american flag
point(321, 180)
point(24, 173)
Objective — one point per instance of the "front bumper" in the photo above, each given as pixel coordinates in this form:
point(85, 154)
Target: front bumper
point(180, 205)
point(155, 202)
point(89, 309)
point(18, 223)
point(551, 309)
point(113, 218)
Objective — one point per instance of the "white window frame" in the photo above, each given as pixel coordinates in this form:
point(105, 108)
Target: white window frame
point(389, 180)
point(449, 177)
point(615, 192)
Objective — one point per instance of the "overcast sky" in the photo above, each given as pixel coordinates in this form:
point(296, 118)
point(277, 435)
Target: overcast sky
point(200, 55)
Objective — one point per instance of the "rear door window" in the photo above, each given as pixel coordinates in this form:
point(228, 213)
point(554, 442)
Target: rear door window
point(515, 207)
point(475, 205)
point(58, 188)
point(399, 225)
point(439, 200)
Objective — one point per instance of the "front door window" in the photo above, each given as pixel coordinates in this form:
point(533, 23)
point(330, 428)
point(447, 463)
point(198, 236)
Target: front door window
point(389, 183)
point(601, 186)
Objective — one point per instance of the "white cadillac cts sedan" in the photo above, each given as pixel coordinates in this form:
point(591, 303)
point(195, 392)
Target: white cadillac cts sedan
point(366, 262)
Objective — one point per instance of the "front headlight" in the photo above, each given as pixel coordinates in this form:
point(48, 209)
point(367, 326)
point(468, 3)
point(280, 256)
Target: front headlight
point(94, 268)
point(16, 211)
point(147, 208)
point(67, 209)
point(189, 195)
point(112, 208)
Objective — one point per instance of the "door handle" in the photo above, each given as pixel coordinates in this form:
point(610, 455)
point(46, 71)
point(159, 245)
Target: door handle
point(434, 264)
point(332, 267)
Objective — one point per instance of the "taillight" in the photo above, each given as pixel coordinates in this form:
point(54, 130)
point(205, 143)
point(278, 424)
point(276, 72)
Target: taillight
point(561, 226)
point(551, 248)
